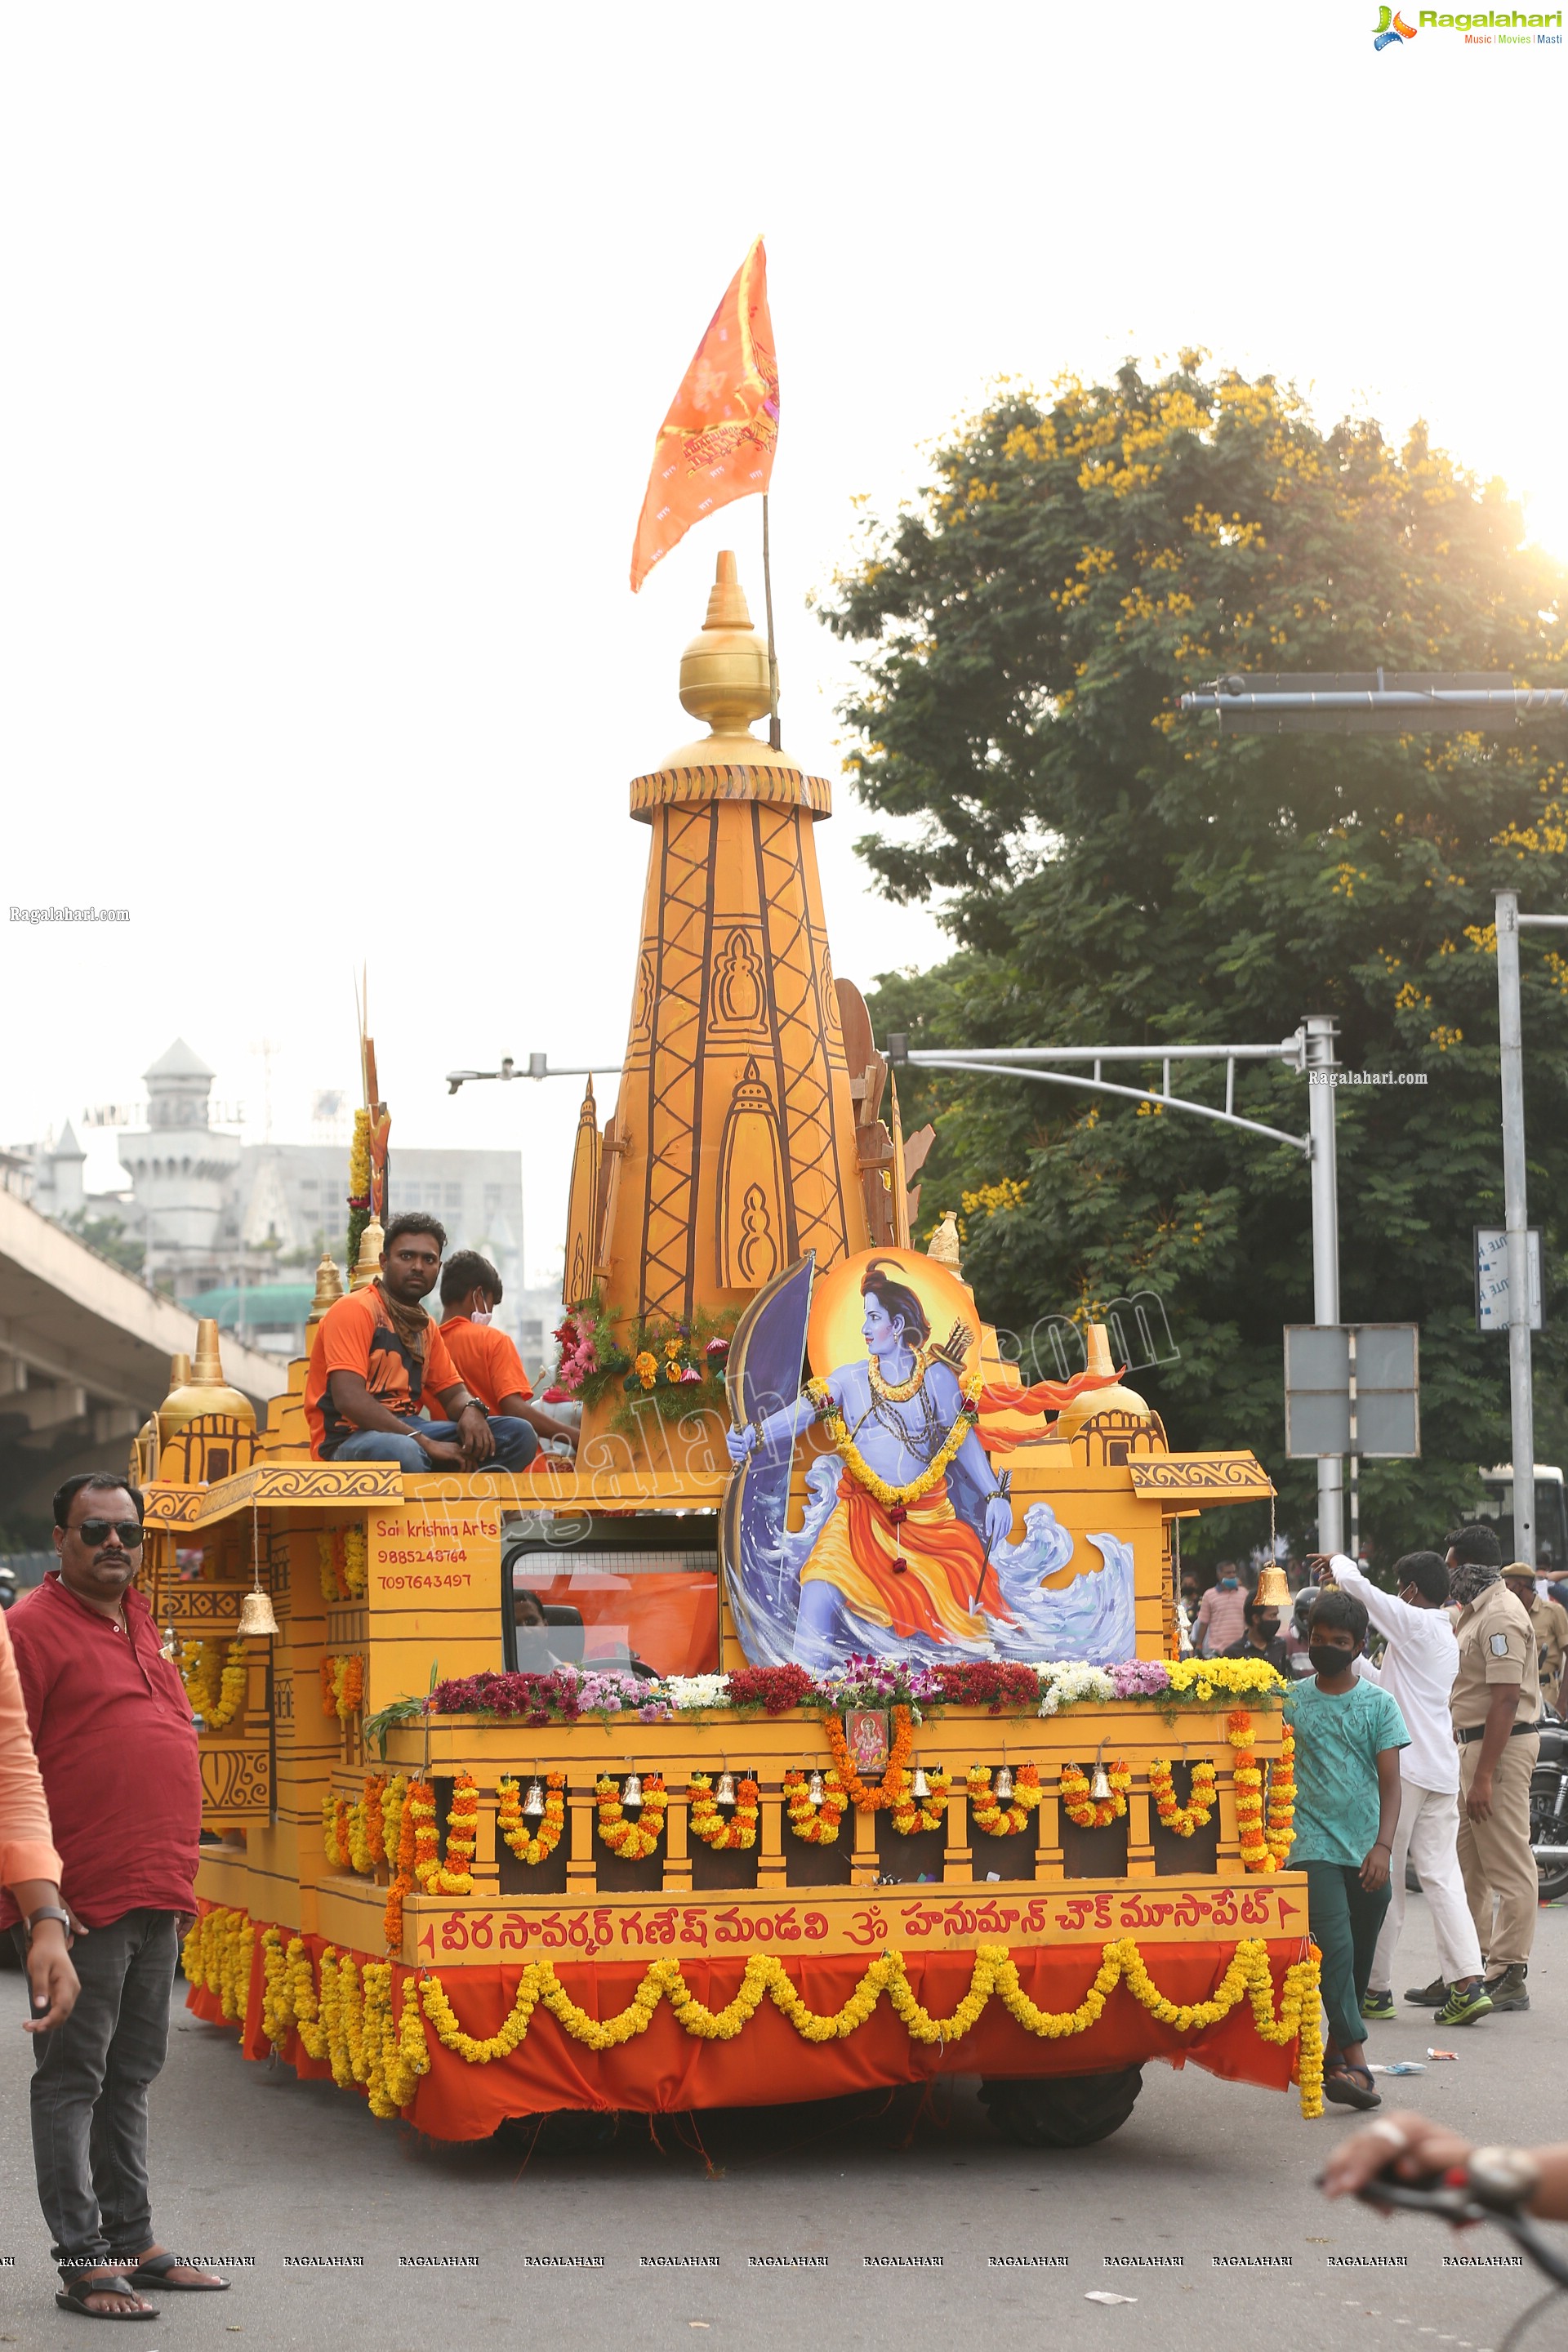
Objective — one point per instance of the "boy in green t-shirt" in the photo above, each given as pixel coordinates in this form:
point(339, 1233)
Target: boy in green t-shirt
point(1349, 1734)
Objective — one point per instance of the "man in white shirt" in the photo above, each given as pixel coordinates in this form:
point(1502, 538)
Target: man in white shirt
point(1417, 1671)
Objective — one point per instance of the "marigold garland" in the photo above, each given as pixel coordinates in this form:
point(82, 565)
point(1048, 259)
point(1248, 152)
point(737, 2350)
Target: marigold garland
point(987, 1812)
point(893, 1497)
point(532, 1845)
point(706, 1821)
point(462, 1835)
point(356, 1562)
point(1198, 1810)
point(1261, 1849)
point(347, 1685)
point(330, 1562)
point(413, 1819)
point(632, 1841)
point(867, 1797)
point(911, 1813)
point(335, 1830)
point(815, 1824)
point(1094, 1813)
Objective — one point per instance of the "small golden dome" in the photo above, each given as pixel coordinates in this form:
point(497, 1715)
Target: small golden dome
point(203, 1389)
point(329, 1290)
point(1072, 1417)
point(724, 670)
point(372, 1242)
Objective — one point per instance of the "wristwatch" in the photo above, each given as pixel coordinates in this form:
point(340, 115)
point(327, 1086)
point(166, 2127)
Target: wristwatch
point(1502, 2177)
point(48, 1911)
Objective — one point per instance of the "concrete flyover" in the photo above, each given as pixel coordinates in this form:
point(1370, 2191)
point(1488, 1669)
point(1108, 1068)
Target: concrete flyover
point(84, 1359)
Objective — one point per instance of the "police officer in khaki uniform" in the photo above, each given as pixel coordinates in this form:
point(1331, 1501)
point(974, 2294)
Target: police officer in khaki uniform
point(1550, 1620)
point(1496, 1704)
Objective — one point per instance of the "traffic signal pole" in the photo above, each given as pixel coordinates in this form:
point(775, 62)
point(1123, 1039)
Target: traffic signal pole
point(1319, 1056)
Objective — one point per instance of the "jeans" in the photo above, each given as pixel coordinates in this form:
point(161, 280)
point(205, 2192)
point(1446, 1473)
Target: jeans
point(90, 2078)
point(1428, 1834)
point(517, 1442)
point(1344, 1918)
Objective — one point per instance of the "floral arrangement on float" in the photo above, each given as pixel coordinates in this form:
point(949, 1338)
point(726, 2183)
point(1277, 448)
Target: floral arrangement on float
point(570, 1695)
point(670, 1367)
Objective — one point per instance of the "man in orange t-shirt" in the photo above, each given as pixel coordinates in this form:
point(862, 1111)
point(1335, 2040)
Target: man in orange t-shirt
point(378, 1358)
point(486, 1359)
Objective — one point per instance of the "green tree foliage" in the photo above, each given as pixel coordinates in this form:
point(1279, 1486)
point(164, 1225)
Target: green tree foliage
point(1112, 872)
point(107, 1235)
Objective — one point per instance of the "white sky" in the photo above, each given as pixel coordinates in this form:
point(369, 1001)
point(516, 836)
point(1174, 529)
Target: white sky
point(338, 336)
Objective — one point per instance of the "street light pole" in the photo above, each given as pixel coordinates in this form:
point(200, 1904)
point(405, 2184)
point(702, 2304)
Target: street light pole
point(1516, 1217)
point(1320, 1032)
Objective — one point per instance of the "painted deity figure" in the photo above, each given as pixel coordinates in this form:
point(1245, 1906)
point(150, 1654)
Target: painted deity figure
point(895, 1555)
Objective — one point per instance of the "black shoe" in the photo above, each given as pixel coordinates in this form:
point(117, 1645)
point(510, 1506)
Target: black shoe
point(1377, 2007)
point(1430, 1996)
point(1508, 1991)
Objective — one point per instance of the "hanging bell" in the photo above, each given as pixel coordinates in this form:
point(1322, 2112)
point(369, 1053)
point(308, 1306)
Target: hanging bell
point(533, 1803)
point(1002, 1786)
point(815, 1791)
point(1273, 1591)
point(1099, 1788)
point(724, 1794)
point(631, 1790)
point(920, 1787)
point(255, 1615)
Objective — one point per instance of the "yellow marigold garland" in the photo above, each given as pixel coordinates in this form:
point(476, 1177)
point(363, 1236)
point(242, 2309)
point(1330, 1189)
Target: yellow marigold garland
point(860, 1470)
point(1094, 1813)
point(1261, 1850)
point(329, 1560)
point(462, 1834)
point(1281, 1830)
point(529, 1845)
point(335, 1830)
point(633, 1840)
point(347, 1680)
point(232, 1688)
point(356, 1562)
point(706, 1821)
point(218, 1954)
point(988, 1814)
point(911, 1813)
point(815, 1824)
point(867, 1795)
point(392, 1794)
point(1247, 1975)
point(1210, 1678)
point(1198, 1810)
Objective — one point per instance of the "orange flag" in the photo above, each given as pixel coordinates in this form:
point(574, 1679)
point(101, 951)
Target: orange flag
point(717, 442)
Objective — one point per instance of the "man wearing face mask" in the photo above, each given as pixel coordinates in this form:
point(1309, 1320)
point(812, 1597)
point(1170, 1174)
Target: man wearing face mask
point(1262, 1638)
point(1497, 1723)
point(488, 1364)
point(1222, 1613)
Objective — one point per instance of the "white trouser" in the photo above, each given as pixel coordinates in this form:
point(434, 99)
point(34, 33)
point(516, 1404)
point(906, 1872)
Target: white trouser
point(1429, 1836)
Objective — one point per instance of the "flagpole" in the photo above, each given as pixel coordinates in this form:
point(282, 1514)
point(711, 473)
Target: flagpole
point(775, 739)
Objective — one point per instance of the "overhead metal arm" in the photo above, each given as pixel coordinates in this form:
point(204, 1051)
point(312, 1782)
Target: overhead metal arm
point(538, 1067)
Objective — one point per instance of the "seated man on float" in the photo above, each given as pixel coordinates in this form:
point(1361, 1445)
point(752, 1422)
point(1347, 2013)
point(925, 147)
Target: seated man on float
point(378, 1358)
point(488, 1364)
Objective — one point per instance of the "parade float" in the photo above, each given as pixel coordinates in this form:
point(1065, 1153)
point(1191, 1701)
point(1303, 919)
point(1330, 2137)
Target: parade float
point(661, 1779)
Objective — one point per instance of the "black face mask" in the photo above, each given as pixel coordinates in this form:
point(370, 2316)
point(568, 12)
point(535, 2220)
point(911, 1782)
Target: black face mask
point(1328, 1660)
point(1266, 1628)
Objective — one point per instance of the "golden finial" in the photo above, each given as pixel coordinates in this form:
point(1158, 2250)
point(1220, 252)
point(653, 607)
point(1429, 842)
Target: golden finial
point(724, 670)
point(204, 1389)
point(372, 1242)
point(329, 1290)
point(1097, 1352)
point(944, 1243)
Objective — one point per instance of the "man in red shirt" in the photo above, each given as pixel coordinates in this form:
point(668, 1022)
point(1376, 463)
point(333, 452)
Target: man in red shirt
point(117, 1748)
point(486, 1359)
point(378, 1357)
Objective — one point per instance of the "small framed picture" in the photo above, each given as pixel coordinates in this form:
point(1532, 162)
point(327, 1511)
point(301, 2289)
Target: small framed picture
point(866, 1736)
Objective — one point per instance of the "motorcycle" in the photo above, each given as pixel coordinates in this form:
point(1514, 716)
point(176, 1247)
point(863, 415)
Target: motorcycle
point(1549, 1808)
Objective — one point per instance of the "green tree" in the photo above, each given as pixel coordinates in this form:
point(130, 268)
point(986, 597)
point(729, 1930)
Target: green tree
point(1112, 872)
point(107, 1235)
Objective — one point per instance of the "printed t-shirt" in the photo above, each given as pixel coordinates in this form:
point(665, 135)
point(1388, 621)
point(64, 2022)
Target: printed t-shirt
point(488, 1364)
point(1338, 1742)
point(356, 1335)
point(117, 1749)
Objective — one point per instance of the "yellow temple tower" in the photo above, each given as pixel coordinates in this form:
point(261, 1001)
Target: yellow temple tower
point(745, 1131)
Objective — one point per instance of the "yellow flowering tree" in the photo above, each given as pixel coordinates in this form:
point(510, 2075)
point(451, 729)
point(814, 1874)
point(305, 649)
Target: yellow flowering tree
point(1115, 873)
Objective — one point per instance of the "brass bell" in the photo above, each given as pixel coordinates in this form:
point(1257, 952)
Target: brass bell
point(631, 1790)
point(815, 1791)
point(724, 1794)
point(533, 1803)
point(920, 1787)
point(1002, 1786)
point(255, 1615)
point(1273, 1591)
point(1099, 1788)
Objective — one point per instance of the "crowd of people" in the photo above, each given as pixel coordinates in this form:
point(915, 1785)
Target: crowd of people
point(1422, 1759)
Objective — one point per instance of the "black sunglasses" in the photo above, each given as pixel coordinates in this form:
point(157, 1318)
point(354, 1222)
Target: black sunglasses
point(94, 1532)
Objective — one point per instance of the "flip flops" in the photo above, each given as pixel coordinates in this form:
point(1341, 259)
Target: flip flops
point(1342, 2086)
point(154, 2269)
point(78, 2285)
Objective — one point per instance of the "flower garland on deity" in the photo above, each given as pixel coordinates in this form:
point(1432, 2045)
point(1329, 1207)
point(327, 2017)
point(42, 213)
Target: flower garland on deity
point(814, 1821)
point(866, 1796)
point(632, 1841)
point(706, 1821)
point(988, 1814)
point(1198, 1810)
point(1094, 1813)
point(529, 1844)
point(897, 1499)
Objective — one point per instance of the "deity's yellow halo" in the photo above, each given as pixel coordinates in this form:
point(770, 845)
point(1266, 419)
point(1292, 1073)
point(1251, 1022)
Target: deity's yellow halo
point(833, 1336)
